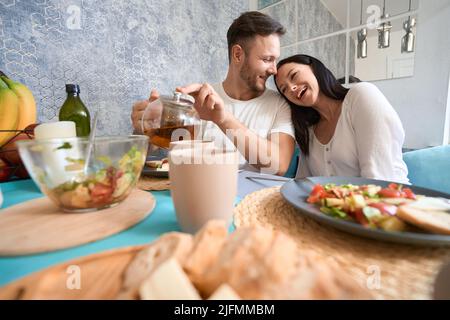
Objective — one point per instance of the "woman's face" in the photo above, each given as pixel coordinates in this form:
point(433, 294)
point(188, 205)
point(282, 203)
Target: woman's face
point(298, 84)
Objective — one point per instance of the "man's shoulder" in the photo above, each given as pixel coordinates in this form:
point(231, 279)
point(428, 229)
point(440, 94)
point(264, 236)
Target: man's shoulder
point(275, 99)
point(270, 97)
point(274, 94)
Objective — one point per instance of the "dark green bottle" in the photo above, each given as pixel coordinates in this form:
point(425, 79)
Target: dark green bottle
point(74, 110)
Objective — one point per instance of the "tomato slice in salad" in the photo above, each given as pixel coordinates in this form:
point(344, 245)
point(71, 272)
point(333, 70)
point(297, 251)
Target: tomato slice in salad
point(101, 193)
point(409, 194)
point(359, 216)
point(396, 191)
point(317, 193)
point(389, 193)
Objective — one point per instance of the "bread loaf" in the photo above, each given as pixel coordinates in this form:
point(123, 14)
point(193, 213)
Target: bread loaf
point(171, 245)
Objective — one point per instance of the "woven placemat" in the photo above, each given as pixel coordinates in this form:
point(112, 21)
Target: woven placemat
point(153, 183)
point(390, 271)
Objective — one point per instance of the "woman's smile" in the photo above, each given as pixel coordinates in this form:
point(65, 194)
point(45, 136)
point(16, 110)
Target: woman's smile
point(301, 93)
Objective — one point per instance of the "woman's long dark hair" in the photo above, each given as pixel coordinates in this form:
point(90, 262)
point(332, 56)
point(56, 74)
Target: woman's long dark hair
point(305, 117)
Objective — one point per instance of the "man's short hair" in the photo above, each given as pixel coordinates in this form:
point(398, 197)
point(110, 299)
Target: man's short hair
point(249, 25)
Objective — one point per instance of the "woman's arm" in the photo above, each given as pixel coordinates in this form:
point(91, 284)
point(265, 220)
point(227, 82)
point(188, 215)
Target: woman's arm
point(379, 134)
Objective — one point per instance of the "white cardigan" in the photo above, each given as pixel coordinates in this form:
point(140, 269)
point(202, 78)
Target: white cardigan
point(367, 141)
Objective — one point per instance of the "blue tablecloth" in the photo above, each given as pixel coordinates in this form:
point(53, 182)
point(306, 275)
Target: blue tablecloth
point(161, 220)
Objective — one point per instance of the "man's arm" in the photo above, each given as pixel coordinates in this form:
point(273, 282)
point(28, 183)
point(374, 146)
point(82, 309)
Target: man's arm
point(272, 155)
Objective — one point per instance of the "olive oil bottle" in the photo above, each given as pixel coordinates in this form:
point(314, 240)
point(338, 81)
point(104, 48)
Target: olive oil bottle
point(74, 110)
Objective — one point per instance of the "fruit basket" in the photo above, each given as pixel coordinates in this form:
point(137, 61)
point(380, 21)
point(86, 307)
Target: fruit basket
point(17, 118)
point(11, 166)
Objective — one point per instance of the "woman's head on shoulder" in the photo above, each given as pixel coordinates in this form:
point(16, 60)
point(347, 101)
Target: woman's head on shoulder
point(302, 79)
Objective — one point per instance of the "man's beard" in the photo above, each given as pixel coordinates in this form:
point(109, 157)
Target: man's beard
point(251, 80)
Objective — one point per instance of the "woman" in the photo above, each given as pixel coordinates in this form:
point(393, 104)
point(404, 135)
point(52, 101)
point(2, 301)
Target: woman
point(341, 132)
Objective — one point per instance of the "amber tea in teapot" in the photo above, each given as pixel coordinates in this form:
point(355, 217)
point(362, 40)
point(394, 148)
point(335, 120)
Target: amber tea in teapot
point(163, 136)
point(170, 118)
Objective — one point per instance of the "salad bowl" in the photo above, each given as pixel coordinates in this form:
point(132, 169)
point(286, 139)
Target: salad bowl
point(58, 167)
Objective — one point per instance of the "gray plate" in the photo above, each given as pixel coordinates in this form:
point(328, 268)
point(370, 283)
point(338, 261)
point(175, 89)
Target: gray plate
point(296, 192)
point(147, 171)
point(154, 173)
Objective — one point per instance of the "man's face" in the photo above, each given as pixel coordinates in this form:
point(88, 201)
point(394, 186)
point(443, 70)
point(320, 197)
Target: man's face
point(260, 61)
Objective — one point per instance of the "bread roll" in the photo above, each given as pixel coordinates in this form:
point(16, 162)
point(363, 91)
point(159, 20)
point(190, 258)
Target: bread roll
point(207, 245)
point(317, 278)
point(252, 260)
point(171, 245)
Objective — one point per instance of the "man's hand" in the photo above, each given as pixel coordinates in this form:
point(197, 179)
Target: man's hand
point(138, 111)
point(208, 103)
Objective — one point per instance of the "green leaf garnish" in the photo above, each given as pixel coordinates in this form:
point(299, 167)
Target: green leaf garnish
point(66, 145)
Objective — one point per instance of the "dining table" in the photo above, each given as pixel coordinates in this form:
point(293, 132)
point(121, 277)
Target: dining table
point(162, 219)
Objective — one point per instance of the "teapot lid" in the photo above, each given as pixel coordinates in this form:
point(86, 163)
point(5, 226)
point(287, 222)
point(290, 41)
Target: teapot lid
point(178, 99)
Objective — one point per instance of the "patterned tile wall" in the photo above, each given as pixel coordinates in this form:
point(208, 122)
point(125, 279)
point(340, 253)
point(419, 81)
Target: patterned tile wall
point(306, 19)
point(116, 50)
point(266, 3)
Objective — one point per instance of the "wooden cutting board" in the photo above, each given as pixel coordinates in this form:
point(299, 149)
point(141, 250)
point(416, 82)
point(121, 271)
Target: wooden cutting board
point(98, 276)
point(38, 226)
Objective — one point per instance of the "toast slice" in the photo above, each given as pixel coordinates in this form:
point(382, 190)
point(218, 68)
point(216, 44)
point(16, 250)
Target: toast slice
point(435, 221)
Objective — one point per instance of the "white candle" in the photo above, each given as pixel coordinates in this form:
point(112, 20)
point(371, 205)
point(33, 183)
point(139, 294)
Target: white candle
point(56, 160)
point(60, 129)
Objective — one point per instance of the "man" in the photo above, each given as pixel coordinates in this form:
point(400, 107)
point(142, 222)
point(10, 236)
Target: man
point(240, 109)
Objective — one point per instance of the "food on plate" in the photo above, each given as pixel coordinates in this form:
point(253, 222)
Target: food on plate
point(430, 214)
point(168, 281)
point(159, 165)
point(108, 185)
point(171, 245)
point(206, 247)
point(249, 256)
point(394, 208)
point(224, 292)
point(251, 263)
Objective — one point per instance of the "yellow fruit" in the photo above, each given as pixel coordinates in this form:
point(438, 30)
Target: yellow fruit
point(9, 112)
point(27, 104)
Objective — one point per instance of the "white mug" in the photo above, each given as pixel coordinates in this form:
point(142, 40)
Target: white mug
point(203, 185)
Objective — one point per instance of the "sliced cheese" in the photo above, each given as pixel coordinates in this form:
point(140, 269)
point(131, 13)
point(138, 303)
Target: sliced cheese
point(168, 282)
point(224, 292)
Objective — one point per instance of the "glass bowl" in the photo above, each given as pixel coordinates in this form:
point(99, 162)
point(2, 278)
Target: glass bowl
point(58, 167)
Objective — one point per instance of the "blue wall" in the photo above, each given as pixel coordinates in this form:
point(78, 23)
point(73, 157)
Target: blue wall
point(116, 50)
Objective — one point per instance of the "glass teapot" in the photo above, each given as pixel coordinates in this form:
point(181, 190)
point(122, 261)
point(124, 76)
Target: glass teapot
point(170, 118)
